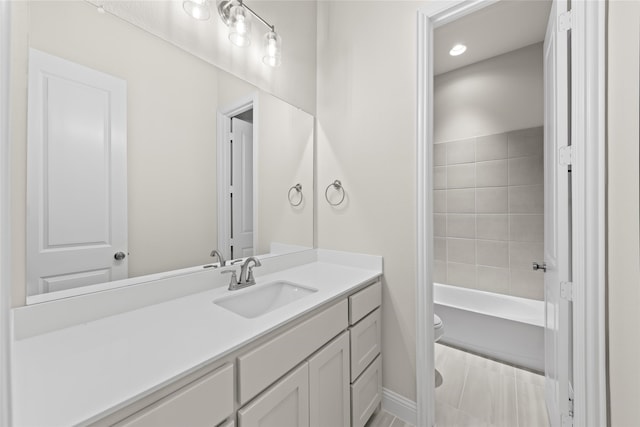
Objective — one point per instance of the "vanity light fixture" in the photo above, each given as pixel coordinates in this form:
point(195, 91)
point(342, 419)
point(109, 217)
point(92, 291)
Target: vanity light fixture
point(458, 49)
point(237, 16)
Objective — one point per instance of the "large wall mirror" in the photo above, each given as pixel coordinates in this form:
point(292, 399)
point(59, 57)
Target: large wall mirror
point(209, 161)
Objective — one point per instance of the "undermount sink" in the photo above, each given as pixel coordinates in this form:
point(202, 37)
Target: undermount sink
point(262, 299)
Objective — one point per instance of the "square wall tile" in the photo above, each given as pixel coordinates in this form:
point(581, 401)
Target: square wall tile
point(461, 274)
point(493, 173)
point(440, 201)
point(439, 154)
point(527, 284)
point(440, 249)
point(526, 199)
point(492, 253)
point(492, 226)
point(461, 176)
point(526, 142)
point(461, 225)
point(491, 279)
point(526, 171)
point(440, 178)
point(526, 228)
point(440, 225)
point(462, 151)
point(491, 147)
point(461, 250)
point(461, 201)
point(523, 254)
point(440, 272)
point(491, 200)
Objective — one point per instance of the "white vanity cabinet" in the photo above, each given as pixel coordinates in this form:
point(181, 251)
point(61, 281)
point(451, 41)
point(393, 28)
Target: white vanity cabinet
point(321, 371)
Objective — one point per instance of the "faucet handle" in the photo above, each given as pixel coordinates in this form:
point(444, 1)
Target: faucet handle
point(250, 278)
point(234, 278)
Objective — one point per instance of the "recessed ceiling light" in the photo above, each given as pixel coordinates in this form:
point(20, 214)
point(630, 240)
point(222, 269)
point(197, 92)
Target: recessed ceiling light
point(458, 49)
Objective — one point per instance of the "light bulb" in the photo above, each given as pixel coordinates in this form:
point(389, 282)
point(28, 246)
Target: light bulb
point(198, 9)
point(272, 49)
point(239, 26)
point(458, 49)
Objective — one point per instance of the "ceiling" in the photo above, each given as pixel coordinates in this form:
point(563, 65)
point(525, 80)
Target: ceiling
point(500, 28)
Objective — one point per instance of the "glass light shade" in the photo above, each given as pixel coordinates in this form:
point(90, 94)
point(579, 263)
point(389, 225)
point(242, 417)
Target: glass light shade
point(240, 26)
point(272, 49)
point(198, 9)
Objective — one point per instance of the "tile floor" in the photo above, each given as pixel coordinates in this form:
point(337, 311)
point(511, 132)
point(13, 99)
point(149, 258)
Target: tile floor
point(476, 391)
point(479, 392)
point(385, 419)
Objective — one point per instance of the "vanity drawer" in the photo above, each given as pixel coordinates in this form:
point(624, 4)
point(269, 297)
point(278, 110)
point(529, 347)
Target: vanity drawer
point(191, 405)
point(262, 366)
point(364, 302)
point(366, 393)
point(365, 343)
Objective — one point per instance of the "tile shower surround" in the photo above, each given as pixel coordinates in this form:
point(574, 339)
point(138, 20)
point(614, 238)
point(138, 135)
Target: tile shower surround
point(488, 212)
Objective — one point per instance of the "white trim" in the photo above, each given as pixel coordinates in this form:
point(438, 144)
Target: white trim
point(588, 199)
point(5, 225)
point(425, 363)
point(588, 131)
point(399, 406)
point(223, 125)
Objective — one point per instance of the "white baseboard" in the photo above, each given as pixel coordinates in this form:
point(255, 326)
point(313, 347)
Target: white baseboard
point(399, 406)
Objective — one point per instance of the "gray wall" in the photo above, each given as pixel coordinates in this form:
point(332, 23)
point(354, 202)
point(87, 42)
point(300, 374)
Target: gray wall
point(488, 218)
point(623, 211)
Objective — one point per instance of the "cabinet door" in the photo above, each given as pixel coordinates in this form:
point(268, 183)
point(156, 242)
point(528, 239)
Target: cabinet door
point(329, 400)
point(366, 393)
point(286, 404)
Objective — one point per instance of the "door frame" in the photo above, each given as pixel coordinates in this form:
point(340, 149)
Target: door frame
point(588, 195)
point(5, 220)
point(223, 125)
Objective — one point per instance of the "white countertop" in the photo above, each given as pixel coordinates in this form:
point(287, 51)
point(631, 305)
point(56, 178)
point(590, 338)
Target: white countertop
point(78, 373)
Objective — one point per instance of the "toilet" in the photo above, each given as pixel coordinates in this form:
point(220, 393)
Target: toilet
point(438, 328)
point(438, 332)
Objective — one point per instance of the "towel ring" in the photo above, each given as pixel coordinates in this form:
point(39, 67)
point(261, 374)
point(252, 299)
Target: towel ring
point(298, 188)
point(338, 186)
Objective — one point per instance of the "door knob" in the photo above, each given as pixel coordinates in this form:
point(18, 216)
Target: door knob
point(119, 256)
point(542, 267)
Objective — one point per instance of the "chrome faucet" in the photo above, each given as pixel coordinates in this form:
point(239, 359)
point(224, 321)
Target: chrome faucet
point(215, 253)
point(246, 274)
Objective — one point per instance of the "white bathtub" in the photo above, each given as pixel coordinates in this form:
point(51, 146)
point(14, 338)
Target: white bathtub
point(503, 327)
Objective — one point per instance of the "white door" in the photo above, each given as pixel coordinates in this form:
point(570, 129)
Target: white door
point(76, 176)
point(241, 190)
point(557, 225)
